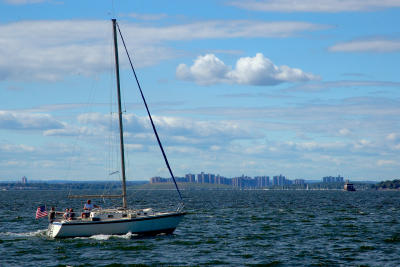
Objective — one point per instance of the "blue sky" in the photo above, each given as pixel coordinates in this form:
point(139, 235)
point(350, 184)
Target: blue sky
point(300, 88)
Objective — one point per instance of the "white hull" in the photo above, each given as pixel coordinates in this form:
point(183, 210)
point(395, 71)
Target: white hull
point(149, 225)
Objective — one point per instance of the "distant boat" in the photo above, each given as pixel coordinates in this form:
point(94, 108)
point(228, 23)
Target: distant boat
point(119, 221)
point(349, 187)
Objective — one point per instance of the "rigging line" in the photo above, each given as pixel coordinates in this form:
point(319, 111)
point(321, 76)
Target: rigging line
point(151, 119)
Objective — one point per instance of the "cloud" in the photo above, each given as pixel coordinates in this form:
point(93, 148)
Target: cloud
point(146, 16)
point(257, 70)
point(376, 45)
point(16, 148)
point(360, 144)
point(383, 162)
point(28, 121)
point(369, 118)
point(319, 86)
point(180, 128)
point(344, 132)
point(206, 70)
point(353, 134)
point(71, 131)
point(50, 50)
point(24, 2)
point(329, 6)
point(393, 137)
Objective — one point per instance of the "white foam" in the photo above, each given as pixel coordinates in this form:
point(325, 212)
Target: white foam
point(106, 237)
point(28, 234)
point(101, 237)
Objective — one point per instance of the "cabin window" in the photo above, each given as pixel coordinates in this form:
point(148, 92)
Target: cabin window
point(124, 215)
point(110, 216)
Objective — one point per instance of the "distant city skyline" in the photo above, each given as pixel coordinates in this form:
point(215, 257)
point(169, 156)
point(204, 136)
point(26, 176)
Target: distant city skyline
point(235, 87)
point(244, 181)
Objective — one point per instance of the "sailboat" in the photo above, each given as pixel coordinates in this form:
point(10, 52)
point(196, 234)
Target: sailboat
point(122, 220)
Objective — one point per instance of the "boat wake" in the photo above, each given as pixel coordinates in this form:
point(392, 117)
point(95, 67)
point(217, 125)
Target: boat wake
point(41, 232)
point(129, 235)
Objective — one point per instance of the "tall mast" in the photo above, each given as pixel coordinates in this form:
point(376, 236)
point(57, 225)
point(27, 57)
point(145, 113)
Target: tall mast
point(121, 131)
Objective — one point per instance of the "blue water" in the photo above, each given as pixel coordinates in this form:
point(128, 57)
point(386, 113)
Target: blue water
point(276, 228)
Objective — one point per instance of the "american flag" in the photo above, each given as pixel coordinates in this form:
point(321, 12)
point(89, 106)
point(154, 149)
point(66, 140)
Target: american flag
point(41, 212)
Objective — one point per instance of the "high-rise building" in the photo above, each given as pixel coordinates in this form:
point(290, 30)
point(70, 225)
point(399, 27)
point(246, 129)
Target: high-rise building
point(280, 180)
point(212, 178)
point(24, 180)
point(331, 179)
point(191, 178)
point(262, 181)
point(157, 179)
point(299, 181)
point(200, 178)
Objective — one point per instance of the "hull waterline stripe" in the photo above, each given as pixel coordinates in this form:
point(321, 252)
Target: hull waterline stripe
point(120, 221)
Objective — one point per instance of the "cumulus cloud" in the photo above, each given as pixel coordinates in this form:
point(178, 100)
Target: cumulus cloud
point(27, 121)
point(330, 6)
point(50, 50)
point(206, 69)
point(257, 70)
point(376, 45)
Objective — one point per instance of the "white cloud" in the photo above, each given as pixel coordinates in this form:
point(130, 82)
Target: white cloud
point(360, 144)
point(206, 70)
point(383, 162)
point(71, 131)
point(146, 16)
point(344, 132)
point(330, 6)
point(393, 137)
point(24, 2)
point(257, 70)
point(16, 148)
point(319, 86)
point(215, 148)
point(370, 118)
point(377, 45)
point(179, 130)
point(135, 147)
point(28, 121)
point(50, 50)
point(315, 146)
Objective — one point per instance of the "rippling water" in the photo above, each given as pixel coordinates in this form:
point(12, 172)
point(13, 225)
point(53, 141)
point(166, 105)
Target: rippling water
point(282, 228)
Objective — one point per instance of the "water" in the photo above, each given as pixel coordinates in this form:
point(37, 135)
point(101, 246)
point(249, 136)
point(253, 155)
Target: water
point(275, 228)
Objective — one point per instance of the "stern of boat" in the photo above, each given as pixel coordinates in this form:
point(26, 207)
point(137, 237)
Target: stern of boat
point(54, 229)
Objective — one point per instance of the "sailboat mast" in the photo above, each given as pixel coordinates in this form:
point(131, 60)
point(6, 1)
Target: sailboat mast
point(121, 131)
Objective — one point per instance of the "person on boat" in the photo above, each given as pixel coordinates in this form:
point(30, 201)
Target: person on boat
point(71, 214)
point(52, 214)
point(66, 214)
point(87, 208)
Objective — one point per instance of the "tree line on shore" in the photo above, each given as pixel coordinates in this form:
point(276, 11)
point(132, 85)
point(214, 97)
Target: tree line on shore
point(394, 184)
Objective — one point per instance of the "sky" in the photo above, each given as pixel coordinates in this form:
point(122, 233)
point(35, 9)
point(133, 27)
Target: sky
point(301, 88)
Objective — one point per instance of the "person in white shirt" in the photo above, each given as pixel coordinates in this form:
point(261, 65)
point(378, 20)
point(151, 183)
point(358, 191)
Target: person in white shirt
point(87, 208)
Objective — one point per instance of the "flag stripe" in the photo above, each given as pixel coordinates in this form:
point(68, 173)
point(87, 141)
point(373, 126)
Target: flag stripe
point(41, 212)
